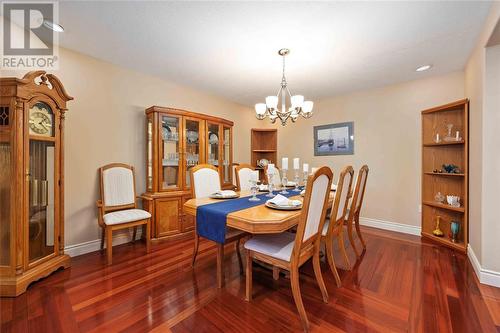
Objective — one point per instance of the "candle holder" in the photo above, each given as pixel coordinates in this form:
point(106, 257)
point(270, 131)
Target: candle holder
point(253, 189)
point(306, 174)
point(284, 182)
point(270, 176)
point(296, 178)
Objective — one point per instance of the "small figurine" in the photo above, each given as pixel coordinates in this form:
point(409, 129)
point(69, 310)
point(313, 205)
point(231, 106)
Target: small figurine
point(451, 168)
point(438, 232)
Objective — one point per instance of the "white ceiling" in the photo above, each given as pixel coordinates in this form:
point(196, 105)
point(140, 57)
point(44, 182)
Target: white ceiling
point(230, 48)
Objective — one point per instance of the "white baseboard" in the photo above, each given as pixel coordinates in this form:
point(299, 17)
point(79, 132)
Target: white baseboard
point(95, 245)
point(485, 276)
point(392, 226)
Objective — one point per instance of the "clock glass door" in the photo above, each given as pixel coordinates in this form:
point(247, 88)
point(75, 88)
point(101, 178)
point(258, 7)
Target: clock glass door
point(5, 184)
point(42, 179)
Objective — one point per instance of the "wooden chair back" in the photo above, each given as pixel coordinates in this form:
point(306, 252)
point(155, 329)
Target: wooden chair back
point(243, 175)
point(117, 187)
point(341, 202)
point(205, 180)
point(313, 213)
point(276, 178)
point(359, 194)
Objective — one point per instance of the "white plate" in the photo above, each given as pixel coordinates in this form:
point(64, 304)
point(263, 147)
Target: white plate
point(273, 206)
point(215, 196)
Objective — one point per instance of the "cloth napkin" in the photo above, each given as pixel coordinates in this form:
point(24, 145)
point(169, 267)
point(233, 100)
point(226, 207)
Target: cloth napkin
point(290, 183)
point(280, 200)
point(225, 193)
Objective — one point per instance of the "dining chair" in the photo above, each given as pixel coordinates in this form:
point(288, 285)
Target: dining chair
point(205, 180)
point(289, 251)
point(334, 225)
point(276, 177)
point(244, 175)
point(117, 208)
point(355, 209)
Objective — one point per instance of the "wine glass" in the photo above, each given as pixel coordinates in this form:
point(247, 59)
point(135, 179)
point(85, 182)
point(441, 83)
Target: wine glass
point(253, 189)
point(270, 176)
point(284, 182)
point(296, 178)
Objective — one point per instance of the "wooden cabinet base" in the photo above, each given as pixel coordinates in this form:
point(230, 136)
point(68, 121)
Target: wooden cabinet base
point(16, 285)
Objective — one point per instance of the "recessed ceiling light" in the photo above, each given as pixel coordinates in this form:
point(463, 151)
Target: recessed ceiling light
point(423, 68)
point(53, 26)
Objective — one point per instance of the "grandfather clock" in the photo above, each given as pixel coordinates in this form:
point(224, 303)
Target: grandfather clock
point(32, 111)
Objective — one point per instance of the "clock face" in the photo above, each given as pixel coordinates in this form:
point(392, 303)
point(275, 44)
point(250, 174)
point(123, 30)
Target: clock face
point(40, 120)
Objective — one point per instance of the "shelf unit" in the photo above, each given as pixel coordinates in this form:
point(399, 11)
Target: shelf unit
point(264, 144)
point(434, 155)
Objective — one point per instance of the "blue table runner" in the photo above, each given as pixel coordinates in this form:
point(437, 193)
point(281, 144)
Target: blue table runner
point(211, 218)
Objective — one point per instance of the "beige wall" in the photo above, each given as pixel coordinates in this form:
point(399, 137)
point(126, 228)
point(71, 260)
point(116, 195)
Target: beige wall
point(105, 123)
point(483, 238)
point(387, 131)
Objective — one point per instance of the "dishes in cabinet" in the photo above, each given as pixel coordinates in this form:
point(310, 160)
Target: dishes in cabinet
point(213, 138)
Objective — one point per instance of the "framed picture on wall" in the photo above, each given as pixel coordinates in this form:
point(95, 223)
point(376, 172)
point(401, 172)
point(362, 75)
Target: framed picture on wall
point(334, 139)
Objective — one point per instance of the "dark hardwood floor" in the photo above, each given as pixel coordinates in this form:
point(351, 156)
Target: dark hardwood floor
point(401, 284)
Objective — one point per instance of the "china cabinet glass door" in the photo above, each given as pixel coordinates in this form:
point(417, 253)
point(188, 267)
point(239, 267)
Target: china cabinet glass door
point(226, 156)
point(213, 152)
point(5, 184)
point(192, 138)
point(170, 174)
point(42, 189)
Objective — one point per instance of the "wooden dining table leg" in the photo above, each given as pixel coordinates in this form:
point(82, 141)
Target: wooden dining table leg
point(220, 265)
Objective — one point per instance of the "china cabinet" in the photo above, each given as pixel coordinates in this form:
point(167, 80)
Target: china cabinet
point(177, 140)
point(445, 174)
point(32, 112)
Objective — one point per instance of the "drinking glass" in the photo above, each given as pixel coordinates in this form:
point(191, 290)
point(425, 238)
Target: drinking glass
point(305, 179)
point(296, 178)
point(284, 182)
point(270, 176)
point(253, 189)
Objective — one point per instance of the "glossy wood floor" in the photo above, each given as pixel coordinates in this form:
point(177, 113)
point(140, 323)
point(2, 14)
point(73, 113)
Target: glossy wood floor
point(401, 284)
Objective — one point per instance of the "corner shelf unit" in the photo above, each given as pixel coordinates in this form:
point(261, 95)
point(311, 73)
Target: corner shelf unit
point(434, 155)
point(264, 144)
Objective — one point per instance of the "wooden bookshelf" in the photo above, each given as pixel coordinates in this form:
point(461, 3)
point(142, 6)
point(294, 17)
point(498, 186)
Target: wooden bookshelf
point(434, 155)
point(263, 144)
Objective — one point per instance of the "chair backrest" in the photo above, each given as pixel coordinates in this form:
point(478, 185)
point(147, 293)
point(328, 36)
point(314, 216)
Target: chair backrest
point(342, 195)
point(117, 186)
point(313, 212)
point(243, 175)
point(205, 180)
point(359, 192)
point(276, 177)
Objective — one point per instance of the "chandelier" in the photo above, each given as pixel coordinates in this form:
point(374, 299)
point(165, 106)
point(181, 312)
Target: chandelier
point(297, 106)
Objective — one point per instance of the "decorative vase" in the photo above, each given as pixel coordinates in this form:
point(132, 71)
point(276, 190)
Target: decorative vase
point(455, 229)
point(438, 232)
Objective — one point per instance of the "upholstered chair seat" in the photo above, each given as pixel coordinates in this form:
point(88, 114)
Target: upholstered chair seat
point(124, 216)
point(278, 246)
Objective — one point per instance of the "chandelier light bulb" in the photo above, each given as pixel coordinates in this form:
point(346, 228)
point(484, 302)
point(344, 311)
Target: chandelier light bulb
point(307, 107)
point(297, 101)
point(272, 102)
point(260, 108)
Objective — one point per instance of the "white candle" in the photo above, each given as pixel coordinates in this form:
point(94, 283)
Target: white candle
point(305, 167)
point(457, 135)
point(284, 163)
point(437, 137)
point(296, 163)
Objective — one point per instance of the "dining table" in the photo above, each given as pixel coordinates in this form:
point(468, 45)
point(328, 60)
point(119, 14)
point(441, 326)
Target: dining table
point(258, 219)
